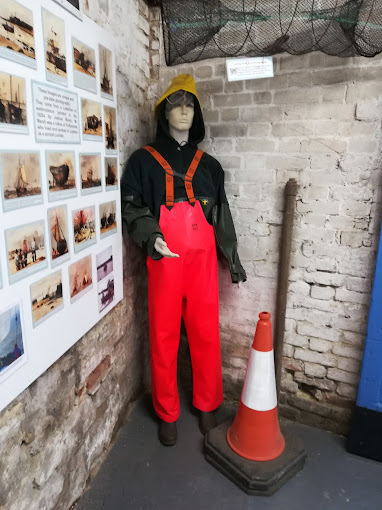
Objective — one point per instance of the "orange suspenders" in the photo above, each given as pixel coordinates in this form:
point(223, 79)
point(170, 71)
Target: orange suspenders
point(170, 175)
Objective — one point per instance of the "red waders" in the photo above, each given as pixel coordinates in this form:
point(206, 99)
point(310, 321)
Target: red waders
point(184, 287)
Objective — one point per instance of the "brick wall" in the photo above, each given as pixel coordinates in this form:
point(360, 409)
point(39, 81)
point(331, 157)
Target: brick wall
point(57, 432)
point(319, 121)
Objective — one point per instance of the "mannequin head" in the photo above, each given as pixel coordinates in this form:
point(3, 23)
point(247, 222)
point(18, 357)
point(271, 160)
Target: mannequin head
point(180, 111)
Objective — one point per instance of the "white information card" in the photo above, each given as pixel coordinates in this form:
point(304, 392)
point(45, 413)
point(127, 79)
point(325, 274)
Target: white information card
point(249, 68)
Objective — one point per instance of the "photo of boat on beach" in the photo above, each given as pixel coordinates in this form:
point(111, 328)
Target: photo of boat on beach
point(17, 33)
point(58, 227)
point(90, 165)
point(73, 6)
point(55, 51)
point(111, 173)
point(104, 263)
point(12, 351)
point(105, 292)
point(84, 65)
point(61, 176)
point(26, 250)
point(20, 179)
point(84, 228)
point(108, 218)
point(106, 72)
point(46, 297)
point(80, 278)
point(110, 116)
point(13, 111)
point(91, 113)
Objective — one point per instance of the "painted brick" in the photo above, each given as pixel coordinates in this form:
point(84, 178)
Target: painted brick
point(347, 351)
point(317, 344)
point(261, 113)
point(315, 370)
point(222, 100)
point(349, 296)
point(323, 384)
point(255, 145)
point(342, 376)
point(228, 130)
point(350, 365)
point(326, 360)
point(230, 114)
point(347, 390)
point(293, 364)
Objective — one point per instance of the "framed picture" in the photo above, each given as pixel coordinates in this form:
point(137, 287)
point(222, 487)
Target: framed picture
point(111, 173)
point(46, 297)
point(110, 119)
point(13, 104)
point(12, 341)
point(60, 175)
point(59, 239)
point(84, 232)
point(90, 165)
point(106, 72)
point(80, 278)
point(84, 66)
point(91, 113)
point(55, 50)
point(108, 218)
point(17, 33)
point(104, 261)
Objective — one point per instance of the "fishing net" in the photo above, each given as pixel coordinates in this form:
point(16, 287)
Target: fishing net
point(199, 29)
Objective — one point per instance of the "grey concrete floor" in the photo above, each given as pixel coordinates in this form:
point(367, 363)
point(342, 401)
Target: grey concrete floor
point(141, 474)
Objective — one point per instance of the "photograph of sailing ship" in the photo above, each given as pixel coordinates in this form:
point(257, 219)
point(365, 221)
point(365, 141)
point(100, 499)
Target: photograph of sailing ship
point(20, 178)
point(55, 51)
point(80, 278)
point(11, 339)
point(91, 112)
point(84, 228)
point(16, 33)
point(105, 292)
point(108, 218)
point(60, 172)
point(104, 263)
point(84, 74)
point(46, 297)
point(110, 116)
point(111, 173)
point(90, 173)
point(106, 72)
point(58, 234)
point(73, 6)
point(26, 250)
point(13, 112)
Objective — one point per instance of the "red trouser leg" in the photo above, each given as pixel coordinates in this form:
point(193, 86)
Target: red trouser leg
point(186, 285)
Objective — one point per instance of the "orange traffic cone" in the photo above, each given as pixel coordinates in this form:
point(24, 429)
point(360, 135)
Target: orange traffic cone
point(255, 433)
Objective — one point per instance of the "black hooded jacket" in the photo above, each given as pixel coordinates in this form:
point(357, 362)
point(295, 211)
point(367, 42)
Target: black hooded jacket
point(143, 191)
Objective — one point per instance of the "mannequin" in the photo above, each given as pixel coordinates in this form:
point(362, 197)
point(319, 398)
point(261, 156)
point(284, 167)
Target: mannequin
point(175, 208)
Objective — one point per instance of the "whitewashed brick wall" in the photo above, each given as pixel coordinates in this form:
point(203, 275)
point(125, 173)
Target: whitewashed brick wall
point(319, 121)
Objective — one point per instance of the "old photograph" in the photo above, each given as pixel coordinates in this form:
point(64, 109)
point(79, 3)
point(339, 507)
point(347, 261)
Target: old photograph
point(80, 278)
point(12, 350)
point(61, 175)
point(110, 119)
point(46, 297)
point(108, 218)
point(84, 74)
point(55, 51)
point(26, 250)
point(59, 239)
point(73, 6)
point(111, 173)
point(106, 72)
point(84, 228)
point(91, 119)
point(105, 292)
point(17, 33)
point(20, 178)
point(90, 165)
point(104, 263)
point(13, 110)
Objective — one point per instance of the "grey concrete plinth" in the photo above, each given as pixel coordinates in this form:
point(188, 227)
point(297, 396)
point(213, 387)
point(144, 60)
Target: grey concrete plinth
point(253, 477)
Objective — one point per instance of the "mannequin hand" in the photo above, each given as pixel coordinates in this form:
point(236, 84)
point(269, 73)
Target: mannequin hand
point(161, 247)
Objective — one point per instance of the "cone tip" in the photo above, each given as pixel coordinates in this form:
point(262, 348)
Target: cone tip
point(265, 316)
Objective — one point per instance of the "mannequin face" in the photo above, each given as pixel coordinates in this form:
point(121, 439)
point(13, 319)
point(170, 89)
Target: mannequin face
point(181, 117)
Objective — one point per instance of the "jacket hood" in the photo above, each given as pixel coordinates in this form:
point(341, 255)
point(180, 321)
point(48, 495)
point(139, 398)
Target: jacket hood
point(197, 130)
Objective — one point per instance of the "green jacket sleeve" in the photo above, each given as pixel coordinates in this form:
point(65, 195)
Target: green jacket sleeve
point(141, 224)
point(225, 231)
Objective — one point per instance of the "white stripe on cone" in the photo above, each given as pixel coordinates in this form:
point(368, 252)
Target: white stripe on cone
point(259, 391)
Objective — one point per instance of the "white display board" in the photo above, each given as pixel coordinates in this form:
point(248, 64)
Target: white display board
point(60, 220)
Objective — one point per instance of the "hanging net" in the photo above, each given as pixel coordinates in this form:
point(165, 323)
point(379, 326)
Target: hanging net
point(199, 29)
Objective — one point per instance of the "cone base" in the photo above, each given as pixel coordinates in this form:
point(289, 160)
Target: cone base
point(254, 478)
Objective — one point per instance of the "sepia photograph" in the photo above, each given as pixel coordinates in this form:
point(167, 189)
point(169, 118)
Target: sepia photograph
point(17, 33)
point(90, 165)
point(20, 179)
point(58, 234)
point(91, 119)
point(26, 250)
point(110, 118)
point(80, 278)
point(13, 110)
point(104, 263)
point(55, 51)
point(105, 292)
point(84, 228)
point(61, 175)
point(11, 339)
point(108, 218)
point(73, 6)
point(106, 72)
point(84, 65)
point(111, 173)
point(46, 297)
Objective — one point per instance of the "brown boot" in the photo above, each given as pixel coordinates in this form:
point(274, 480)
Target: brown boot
point(167, 433)
point(207, 421)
